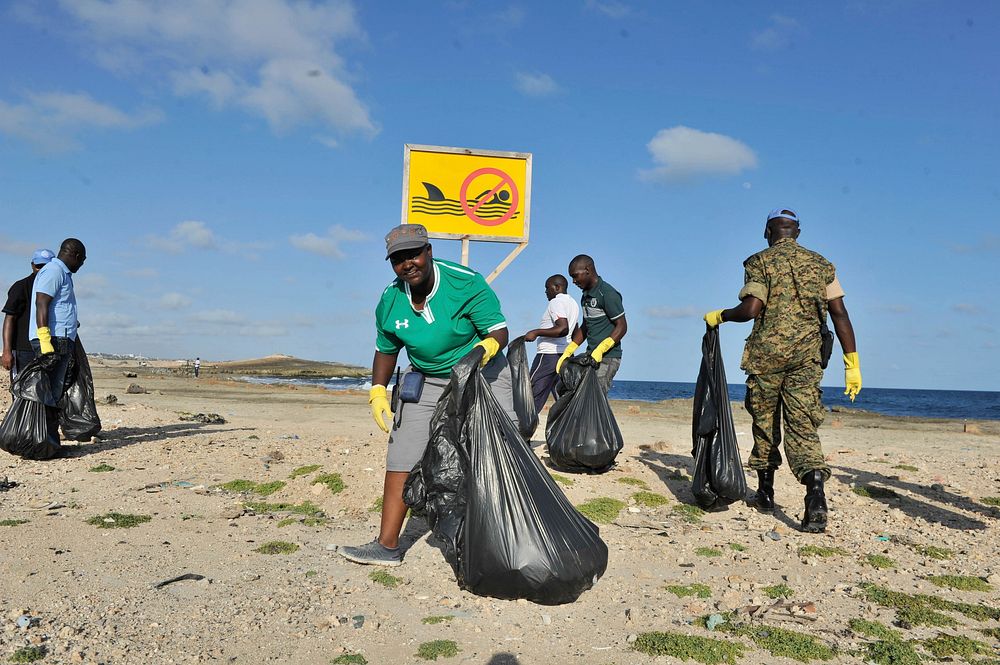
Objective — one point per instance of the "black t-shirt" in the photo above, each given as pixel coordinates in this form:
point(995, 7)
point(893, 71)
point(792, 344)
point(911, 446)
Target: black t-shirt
point(19, 306)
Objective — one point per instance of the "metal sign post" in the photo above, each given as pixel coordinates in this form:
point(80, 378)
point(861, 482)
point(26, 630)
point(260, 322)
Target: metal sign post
point(465, 194)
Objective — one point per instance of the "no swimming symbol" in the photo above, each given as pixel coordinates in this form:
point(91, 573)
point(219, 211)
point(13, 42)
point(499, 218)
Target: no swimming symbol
point(496, 203)
point(498, 191)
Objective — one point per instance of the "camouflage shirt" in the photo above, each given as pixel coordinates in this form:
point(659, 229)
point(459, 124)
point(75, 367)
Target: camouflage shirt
point(794, 284)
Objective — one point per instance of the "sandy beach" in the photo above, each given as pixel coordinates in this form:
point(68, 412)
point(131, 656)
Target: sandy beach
point(906, 499)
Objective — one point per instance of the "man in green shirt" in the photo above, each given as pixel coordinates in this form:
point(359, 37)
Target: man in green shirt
point(604, 322)
point(787, 293)
point(438, 311)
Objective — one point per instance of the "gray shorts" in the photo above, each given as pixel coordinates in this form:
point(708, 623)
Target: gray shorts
point(411, 425)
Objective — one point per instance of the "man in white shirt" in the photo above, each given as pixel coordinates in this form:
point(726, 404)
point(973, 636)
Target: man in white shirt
point(558, 323)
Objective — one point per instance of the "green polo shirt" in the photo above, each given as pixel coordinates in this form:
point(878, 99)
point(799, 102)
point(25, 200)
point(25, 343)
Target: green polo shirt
point(460, 311)
point(601, 306)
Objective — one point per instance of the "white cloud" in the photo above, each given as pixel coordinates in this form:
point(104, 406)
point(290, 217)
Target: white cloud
point(535, 85)
point(186, 235)
point(661, 312)
point(16, 247)
point(51, 120)
point(966, 308)
point(778, 35)
point(328, 245)
point(174, 301)
point(273, 58)
point(988, 244)
point(219, 316)
point(609, 8)
point(92, 285)
point(682, 152)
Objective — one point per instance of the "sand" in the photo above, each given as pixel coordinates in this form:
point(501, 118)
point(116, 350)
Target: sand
point(92, 589)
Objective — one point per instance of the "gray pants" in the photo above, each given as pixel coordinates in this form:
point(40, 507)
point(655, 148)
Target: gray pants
point(606, 372)
point(411, 425)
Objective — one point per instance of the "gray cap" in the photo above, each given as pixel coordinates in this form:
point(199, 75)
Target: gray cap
point(405, 236)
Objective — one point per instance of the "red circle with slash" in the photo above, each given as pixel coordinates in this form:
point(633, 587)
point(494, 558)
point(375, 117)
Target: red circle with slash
point(472, 211)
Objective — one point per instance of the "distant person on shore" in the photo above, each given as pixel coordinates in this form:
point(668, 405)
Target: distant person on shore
point(787, 292)
point(53, 323)
point(604, 322)
point(558, 324)
point(438, 311)
point(197, 366)
point(17, 351)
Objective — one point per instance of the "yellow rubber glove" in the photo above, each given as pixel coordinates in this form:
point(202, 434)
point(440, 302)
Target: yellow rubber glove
point(45, 340)
point(490, 348)
point(602, 348)
point(570, 349)
point(713, 318)
point(379, 402)
point(852, 374)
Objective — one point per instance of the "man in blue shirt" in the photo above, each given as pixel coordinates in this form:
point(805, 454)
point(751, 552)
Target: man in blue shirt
point(53, 323)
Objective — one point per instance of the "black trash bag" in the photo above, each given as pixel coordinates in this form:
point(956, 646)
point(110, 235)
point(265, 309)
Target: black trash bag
point(31, 426)
point(524, 399)
point(581, 432)
point(508, 530)
point(79, 419)
point(718, 472)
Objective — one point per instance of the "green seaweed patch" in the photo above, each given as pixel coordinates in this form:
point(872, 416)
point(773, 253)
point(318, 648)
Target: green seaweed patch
point(874, 629)
point(821, 550)
point(304, 508)
point(333, 482)
point(277, 547)
point(783, 642)
point(960, 582)
point(286, 522)
point(906, 467)
point(304, 470)
point(437, 649)
point(990, 632)
point(267, 489)
point(436, 619)
point(707, 551)
point(736, 547)
point(27, 654)
point(873, 492)
point(697, 590)
point(944, 646)
point(650, 499)
point(634, 482)
point(934, 552)
point(880, 561)
point(679, 475)
point(689, 513)
point(349, 659)
point(385, 579)
point(602, 510)
point(312, 573)
point(118, 520)
point(238, 485)
point(888, 647)
point(101, 468)
point(921, 609)
point(778, 591)
point(13, 522)
point(991, 501)
point(376, 506)
point(706, 650)
point(561, 479)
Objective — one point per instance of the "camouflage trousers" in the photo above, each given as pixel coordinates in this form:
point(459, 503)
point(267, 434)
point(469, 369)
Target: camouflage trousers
point(793, 396)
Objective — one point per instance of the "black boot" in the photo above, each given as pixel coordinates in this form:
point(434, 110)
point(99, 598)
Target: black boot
point(814, 518)
point(764, 501)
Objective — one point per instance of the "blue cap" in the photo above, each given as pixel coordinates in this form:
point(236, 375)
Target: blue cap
point(42, 256)
point(781, 212)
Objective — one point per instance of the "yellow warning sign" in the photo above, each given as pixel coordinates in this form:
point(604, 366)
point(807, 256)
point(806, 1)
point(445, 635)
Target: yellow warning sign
point(464, 193)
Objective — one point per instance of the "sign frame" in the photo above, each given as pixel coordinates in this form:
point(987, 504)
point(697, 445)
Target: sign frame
point(521, 241)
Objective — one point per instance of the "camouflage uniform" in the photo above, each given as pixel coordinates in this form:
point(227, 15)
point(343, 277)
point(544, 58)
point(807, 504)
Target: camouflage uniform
point(782, 354)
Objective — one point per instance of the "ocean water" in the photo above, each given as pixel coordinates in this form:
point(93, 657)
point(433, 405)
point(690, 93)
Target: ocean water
point(960, 404)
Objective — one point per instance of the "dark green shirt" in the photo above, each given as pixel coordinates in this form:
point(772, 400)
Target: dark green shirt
point(792, 283)
point(601, 306)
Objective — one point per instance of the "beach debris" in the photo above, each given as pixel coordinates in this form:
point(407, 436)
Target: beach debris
point(772, 534)
point(714, 621)
point(130, 375)
point(25, 621)
point(206, 418)
point(111, 399)
point(781, 610)
point(6, 484)
point(135, 389)
point(937, 487)
point(294, 437)
point(180, 578)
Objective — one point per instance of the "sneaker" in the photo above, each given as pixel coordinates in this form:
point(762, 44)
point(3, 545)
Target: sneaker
point(372, 554)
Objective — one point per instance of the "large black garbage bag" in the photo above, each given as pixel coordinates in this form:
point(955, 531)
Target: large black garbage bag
point(79, 419)
point(718, 471)
point(31, 427)
point(581, 432)
point(508, 530)
point(524, 399)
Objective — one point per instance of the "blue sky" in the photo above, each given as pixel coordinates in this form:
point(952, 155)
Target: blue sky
point(232, 165)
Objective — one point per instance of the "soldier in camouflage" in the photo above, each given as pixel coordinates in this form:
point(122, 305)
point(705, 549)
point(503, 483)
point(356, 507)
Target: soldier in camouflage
point(788, 291)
